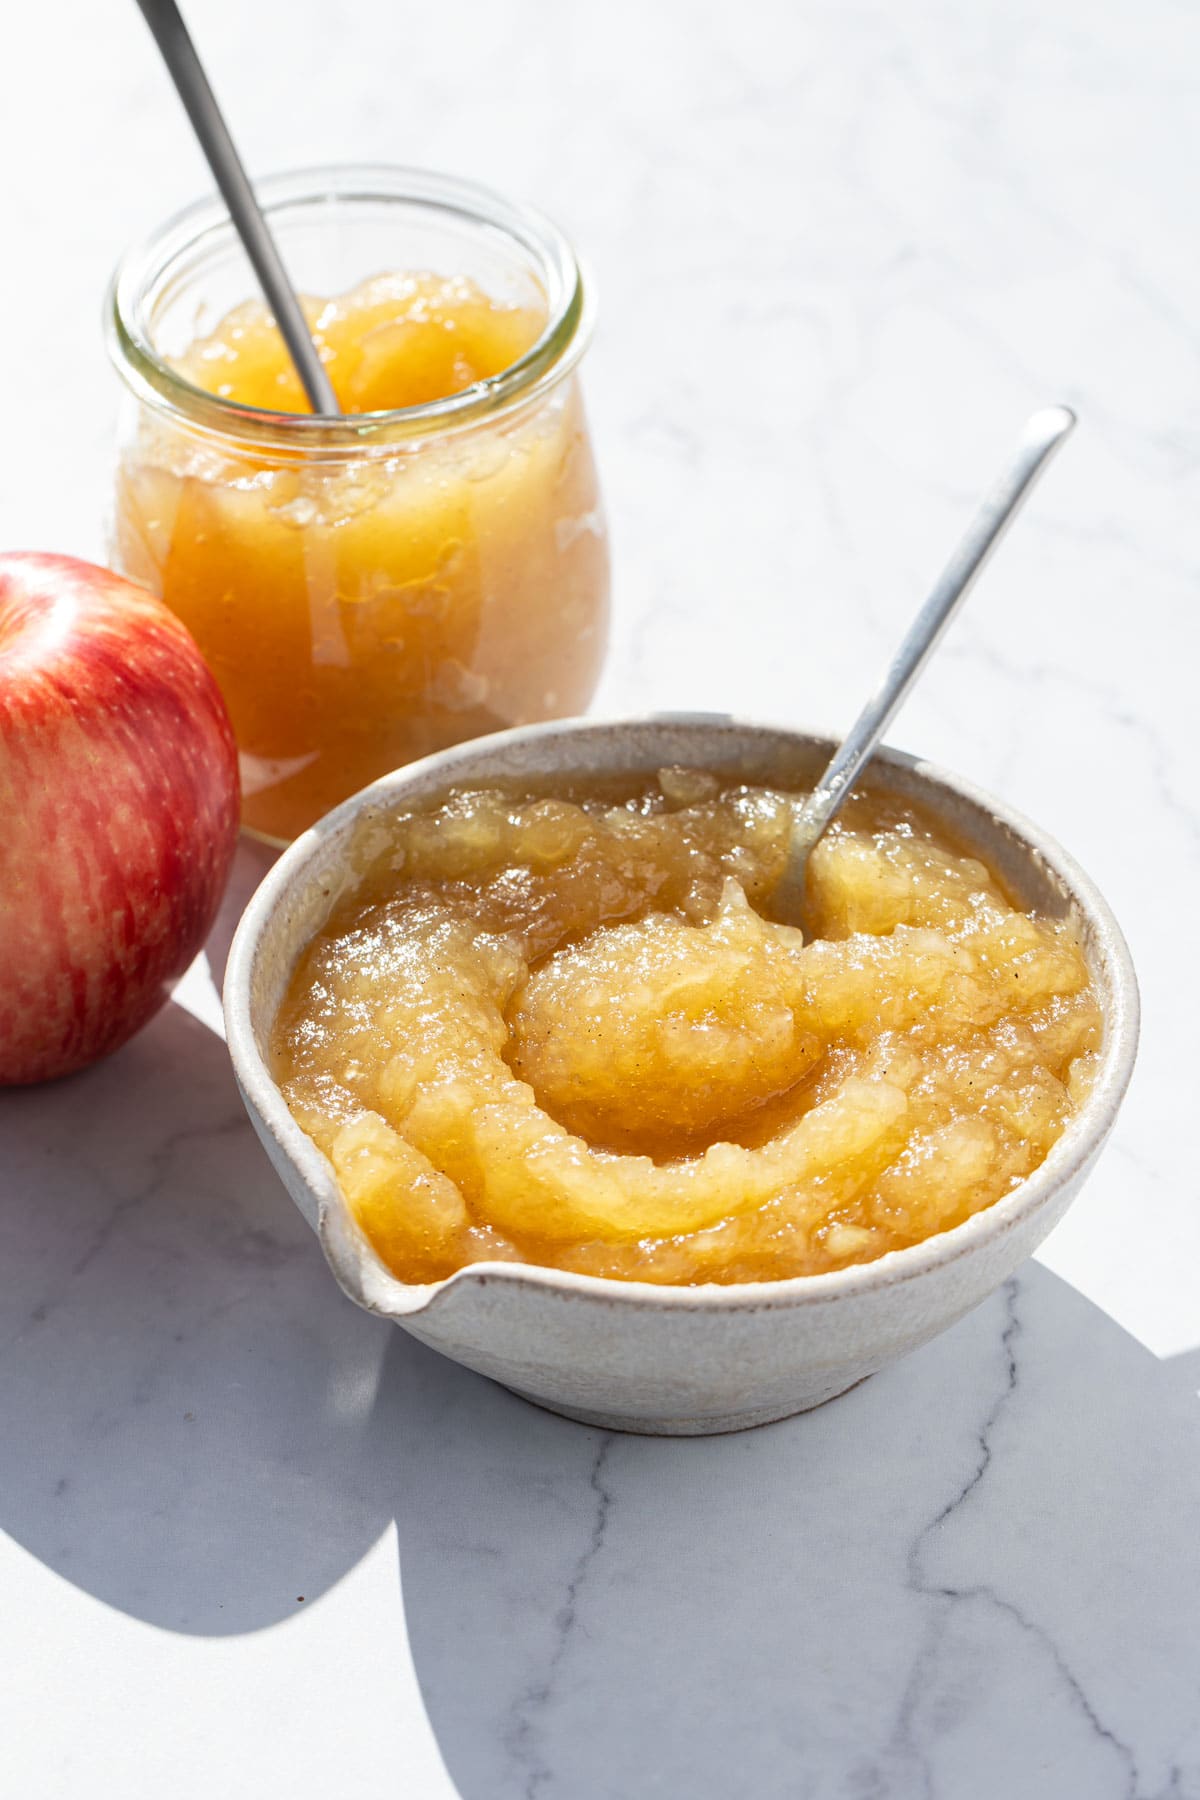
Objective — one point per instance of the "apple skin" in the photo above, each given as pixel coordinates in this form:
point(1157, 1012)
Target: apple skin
point(118, 810)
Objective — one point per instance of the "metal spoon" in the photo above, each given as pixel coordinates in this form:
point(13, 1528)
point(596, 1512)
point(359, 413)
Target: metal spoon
point(179, 54)
point(1042, 436)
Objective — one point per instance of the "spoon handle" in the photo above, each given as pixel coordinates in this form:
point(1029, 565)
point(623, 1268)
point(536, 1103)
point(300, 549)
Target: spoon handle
point(1042, 436)
point(186, 70)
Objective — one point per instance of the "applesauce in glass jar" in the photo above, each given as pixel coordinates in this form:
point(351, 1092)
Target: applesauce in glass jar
point(430, 566)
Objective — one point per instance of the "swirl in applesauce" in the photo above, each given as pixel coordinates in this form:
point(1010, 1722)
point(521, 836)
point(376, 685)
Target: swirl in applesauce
point(565, 1031)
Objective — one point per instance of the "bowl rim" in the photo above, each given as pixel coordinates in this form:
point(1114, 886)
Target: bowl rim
point(1066, 1161)
point(148, 265)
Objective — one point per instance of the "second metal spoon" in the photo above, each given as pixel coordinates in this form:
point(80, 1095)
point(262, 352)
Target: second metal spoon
point(1042, 436)
point(187, 72)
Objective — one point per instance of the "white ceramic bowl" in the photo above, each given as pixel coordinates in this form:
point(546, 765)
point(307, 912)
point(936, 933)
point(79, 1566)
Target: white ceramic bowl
point(634, 1355)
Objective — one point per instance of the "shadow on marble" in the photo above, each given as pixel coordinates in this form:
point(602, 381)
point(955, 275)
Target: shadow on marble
point(976, 1575)
point(989, 1550)
point(1185, 1365)
point(185, 1397)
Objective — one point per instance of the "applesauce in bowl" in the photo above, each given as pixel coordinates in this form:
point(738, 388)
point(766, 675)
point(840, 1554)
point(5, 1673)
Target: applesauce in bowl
point(426, 568)
point(564, 1028)
point(687, 1171)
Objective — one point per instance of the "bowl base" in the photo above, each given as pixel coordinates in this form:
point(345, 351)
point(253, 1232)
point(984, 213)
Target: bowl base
point(687, 1425)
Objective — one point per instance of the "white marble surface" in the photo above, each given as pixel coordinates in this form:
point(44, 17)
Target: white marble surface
point(842, 249)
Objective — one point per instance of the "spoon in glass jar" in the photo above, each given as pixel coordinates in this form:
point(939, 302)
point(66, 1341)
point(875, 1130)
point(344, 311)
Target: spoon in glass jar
point(199, 102)
point(1042, 436)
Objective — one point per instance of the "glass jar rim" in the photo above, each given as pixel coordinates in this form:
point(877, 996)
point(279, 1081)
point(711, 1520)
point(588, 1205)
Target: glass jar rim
point(146, 268)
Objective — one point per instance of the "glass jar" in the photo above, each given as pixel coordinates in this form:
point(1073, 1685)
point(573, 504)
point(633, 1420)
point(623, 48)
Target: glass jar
point(375, 587)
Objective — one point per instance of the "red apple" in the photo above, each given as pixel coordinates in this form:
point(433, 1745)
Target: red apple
point(118, 810)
